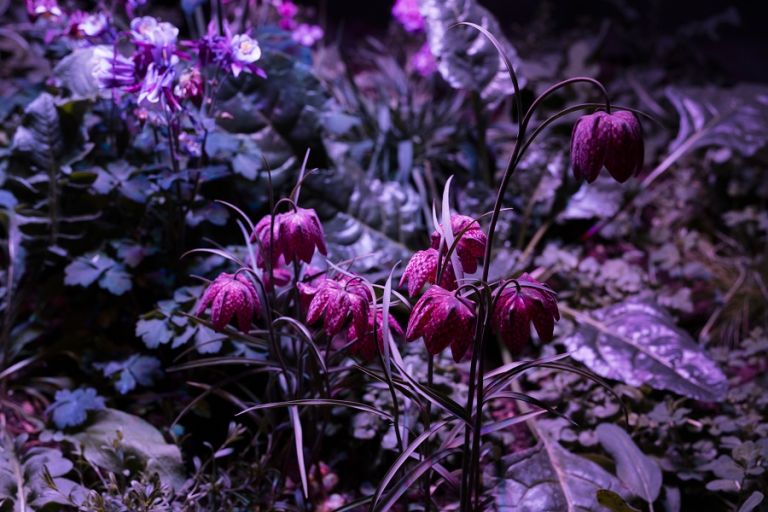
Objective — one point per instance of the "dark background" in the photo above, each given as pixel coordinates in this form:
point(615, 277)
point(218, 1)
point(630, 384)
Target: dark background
point(736, 52)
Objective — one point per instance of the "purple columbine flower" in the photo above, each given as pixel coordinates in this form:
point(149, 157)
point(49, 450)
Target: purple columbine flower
point(296, 236)
point(613, 141)
point(520, 304)
point(338, 301)
point(230, 295)
point(365, 345)
point(442, 319)
point(190, 86)
point(471, 245)
point(407, 13)
point(157, 88)
point(245, 51)
point(44, 8)
point(92, 25)
point(307, 35)
point(156, 42)
point(112, 70)
point(422, 269)
point(423, 61)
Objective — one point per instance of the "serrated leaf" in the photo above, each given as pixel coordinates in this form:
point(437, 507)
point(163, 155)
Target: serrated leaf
point(736, 118)
point(637, 471)
point(116, 280)
point(86, 269)
point(40, 135)
point(637, 342)
point(465, 58)
point(549, 477)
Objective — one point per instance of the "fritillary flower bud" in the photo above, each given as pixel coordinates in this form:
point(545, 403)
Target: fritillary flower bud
point(422, 269)
point(442, 319)
point(520, 304)
point(613, 141)
point(338, 301)
point(296, 235)
point(471, 245)
point(365, 345)
point(230, 295)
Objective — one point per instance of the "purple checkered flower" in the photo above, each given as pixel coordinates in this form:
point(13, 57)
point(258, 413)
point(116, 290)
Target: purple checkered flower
point(521, 303)
point(471, 245)
point(230, 295)
point(613, 141)
point(422, 269)
point(340, 301)
point(365, 345)
point(442, 319)
point(297, 234)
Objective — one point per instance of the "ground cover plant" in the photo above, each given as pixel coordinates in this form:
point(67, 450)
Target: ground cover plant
point(253, 260)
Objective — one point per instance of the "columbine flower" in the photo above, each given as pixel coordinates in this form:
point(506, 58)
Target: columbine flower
point(407, 13)
point(365, 345)
point(147, 30)
point(471, 245)
point(422, 269)
point(92, 25)
point(157, 86)
point(112, 70)
point(297, 234)
point(423, 62)
point(45, 8)
point(442, 319)
point(190, 86)
point(307, 35)
point(230, 295)
point(518, 306)
point(613, 141)
point(339, 301)
point(245, 51)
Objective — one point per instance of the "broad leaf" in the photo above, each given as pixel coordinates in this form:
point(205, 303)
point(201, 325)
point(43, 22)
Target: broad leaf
point(466, 59)
point(137, 369)
point(637, 471)
point(549, 477)
point(637, 342)
point(40, 135)
point(711, 116)
point(137, 438)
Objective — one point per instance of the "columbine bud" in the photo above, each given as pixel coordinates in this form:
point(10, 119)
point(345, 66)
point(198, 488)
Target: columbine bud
point(613, 141)
point(442, 319)
point(422, 269)
point(471, 245)
point(365, 345)
point(518, 306)
point(339, 301)
point(230, 295)
point(296, 236)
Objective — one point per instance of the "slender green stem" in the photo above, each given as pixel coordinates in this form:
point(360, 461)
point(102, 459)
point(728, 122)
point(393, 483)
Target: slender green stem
point(427, 427)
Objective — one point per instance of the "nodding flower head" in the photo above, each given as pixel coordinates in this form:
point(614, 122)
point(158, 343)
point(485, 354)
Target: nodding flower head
point(147, 30)
point(340, 300)
point(613, 141)
point(245, 51)
point(230, 295)
point(442, 319)
point(422, 269)
point(520, 304)
point(407, 13)
point(365, 345)
point(112, 70)
point(296, 236)
point(45, 8)
point(471, 245)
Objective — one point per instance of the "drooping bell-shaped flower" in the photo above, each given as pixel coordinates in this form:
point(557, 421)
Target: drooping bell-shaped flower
point(442, 319)
point(613, 141)
point(230, 295)
point(422, 269)
point(296, 236)
point(365, 344)
point(471, 245)
point(520, 304)
point(339, 301)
